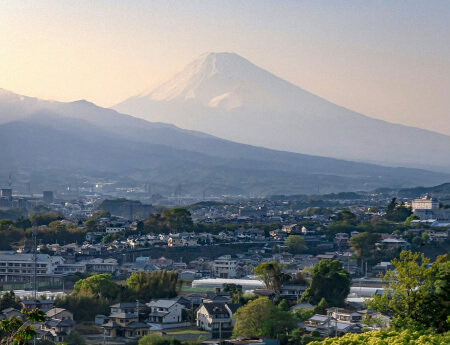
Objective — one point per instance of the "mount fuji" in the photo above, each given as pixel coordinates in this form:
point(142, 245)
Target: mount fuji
point(225, 95)
point(54, 144)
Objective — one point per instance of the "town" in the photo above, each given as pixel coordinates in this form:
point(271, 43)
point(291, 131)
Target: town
point(224, 172)
point(117, 271)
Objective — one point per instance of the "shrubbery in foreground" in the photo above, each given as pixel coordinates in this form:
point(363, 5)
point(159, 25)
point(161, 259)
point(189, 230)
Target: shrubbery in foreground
point(388, 338)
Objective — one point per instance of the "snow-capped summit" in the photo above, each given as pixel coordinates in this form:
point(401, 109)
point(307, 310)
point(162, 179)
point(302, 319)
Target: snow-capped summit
point(223, 80)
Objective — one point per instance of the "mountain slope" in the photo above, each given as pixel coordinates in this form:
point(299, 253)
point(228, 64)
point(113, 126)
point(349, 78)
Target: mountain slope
point(225, 95)
point(63, 141)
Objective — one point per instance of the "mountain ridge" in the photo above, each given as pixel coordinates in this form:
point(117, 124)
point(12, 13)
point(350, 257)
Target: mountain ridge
point(230, 97)
point(63, 141)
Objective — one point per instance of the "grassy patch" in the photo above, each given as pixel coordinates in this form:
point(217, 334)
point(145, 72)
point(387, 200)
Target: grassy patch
point(187, 330)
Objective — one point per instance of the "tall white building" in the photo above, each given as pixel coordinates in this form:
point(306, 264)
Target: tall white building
point(225, 267)
point(425, 203)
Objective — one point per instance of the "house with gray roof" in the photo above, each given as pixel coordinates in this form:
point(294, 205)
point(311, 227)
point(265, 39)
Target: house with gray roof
point(165, 311)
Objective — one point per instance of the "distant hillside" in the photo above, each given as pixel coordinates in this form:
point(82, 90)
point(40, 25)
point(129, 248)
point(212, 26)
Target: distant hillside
point(59, 143)
point(442, 192)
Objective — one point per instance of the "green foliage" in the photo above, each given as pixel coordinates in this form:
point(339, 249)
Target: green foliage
point(8, 238)
point(364, 244)
point(295, 243)
point(101, 214)
point(157, 284)
point(19, 332)
point(410, 218)
point(283, 305)
point(96, 286)
point(408, 337)
point(174, 220)
point(57, 232)
point(270, 273)
point(13, 213)
point(89, 225)
point(84, 308)
point(397, 213)
point(304, 314)
point(109, 238)
point(261, 318)
point(178, 220)
point(299, 278)
point(114, 206)
point(235, 292)
point(152, 339)
point(6, 224)
point(23, 223)
point(418, 295)
point(347, 217)
point(8, 300)
point(321, 307)
point(46, 218)
point(329, 281)
point(76, 338)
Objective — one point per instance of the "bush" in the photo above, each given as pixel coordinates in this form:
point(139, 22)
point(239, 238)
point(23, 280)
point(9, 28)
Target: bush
point(388, 338)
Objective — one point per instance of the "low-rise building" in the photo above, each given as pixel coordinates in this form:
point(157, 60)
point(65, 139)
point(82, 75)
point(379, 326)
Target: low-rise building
point(225, 267)
point(165, 311)
point(216, 318)
point(125, 325)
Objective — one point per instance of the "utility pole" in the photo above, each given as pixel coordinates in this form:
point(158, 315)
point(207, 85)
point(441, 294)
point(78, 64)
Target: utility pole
point(137, 309)
point(335, 322)
point(35, 262)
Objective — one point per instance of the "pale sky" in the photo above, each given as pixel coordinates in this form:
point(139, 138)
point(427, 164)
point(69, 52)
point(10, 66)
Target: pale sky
point(386, 59)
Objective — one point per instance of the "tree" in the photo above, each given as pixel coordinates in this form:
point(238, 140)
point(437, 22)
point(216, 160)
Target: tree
point(410, 218)
point(90, 225)
point(6, 224)
point(101, 214)
point(329, 281)
point(17, 331)
point(283, 305)
point(304, 314)
point(364, 244)
point(157, 284)
point(235, 291)
point(296, 244)
point(409, 337)
point(346, 216)
point(178, 219)
point(417, 296)
point(321, 307)
point(270, 273)
point(23, 223)
point(8, 300)
point(152, 339)
point(84, 308)
point(391, 207)
point(397, 213)
point(261, 318)
point(98, 285)
point(76, 338)
point(299, 278)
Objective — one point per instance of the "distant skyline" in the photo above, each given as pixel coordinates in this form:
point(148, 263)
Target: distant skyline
point(385, 59)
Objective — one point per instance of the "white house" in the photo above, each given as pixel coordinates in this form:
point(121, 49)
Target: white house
point(216, 318)
point(225, 267)
point(165, 311)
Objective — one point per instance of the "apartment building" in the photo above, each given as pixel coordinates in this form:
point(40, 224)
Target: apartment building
point(224, 267)
point(19, 267)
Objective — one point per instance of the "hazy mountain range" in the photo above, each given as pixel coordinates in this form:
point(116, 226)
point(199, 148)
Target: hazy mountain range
point(227, 96)
point(65, 141)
